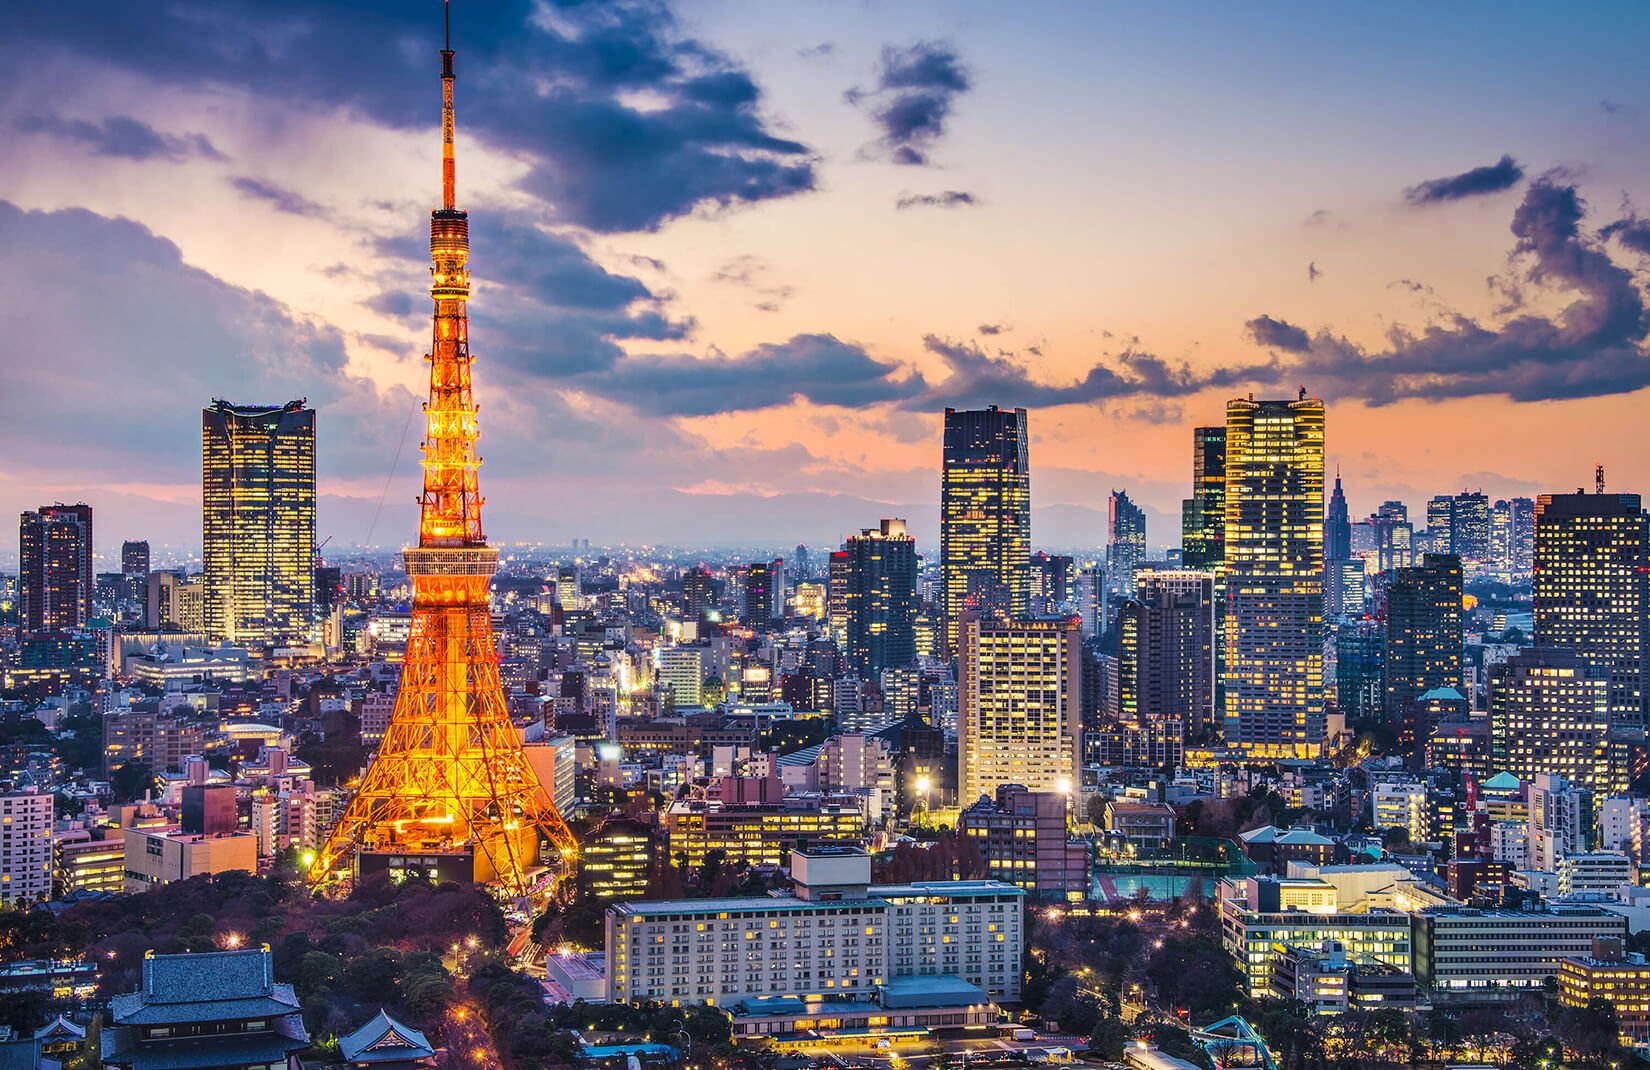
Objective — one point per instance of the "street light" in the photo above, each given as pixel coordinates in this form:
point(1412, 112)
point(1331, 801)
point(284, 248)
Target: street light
point(922, 787)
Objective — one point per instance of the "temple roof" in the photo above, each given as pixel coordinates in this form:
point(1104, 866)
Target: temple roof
point(383, 1040)
point(211, 986)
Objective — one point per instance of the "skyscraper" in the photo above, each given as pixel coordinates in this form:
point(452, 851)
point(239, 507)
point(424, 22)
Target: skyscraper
point(1423, 642)
point(450, 793)
point(697, 594)
point(1019, 705)
point(1360, 673)
point(1125, 540)
point(1203, 515)
point(1166, 655)
point(876, 586)
point(1522, 552)
point(134, 568)
point(258, 492)
point(1394, 536)
point(1592, 552)
point(1470, 531)
point(1337, 551)
point(55, 582)
point(1441, 524)
point(1549, 713)
point(1274, 577)
point(985, 515)
point(764, 593)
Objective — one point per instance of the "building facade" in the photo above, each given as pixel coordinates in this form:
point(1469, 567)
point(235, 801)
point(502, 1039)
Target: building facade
point(1166, 656)
point(56, 587)
point(1274, 577)
point(985, 515)
point(1549, 713)
point(876, 589)
point(1018, 697)
point(1203, 515)
point(258, 491)
point(1423, 642)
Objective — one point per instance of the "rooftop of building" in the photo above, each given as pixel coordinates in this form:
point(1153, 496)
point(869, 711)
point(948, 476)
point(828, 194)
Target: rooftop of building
point(876, 895)
point(208, 986)
point(384, 1040)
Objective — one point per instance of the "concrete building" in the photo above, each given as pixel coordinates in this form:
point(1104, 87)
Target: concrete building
point(1019, 708)
point(750, 819)
point(1023, 838)
point(1466, 951)
point(25, 847)
point(161, 856)
point(838, 935)
point(1261, 917)
point(1607, 972)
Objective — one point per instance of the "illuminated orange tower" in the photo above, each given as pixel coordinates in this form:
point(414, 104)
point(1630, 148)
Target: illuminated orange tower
point(450, 792)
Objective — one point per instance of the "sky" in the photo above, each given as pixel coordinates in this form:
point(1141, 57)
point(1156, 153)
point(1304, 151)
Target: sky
point(733, 259)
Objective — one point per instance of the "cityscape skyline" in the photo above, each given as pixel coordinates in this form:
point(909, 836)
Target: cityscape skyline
point(601, 354)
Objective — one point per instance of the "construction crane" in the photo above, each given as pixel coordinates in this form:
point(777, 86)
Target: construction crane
point(318, 549)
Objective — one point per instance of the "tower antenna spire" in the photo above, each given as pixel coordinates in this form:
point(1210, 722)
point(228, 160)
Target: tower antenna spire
point(448, 176)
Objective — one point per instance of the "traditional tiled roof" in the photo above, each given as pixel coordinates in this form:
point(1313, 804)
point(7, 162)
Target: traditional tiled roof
point(212, 986)
point(19, 1054)
point(384, 1040)
point(60, 1029)
point(121, 1047)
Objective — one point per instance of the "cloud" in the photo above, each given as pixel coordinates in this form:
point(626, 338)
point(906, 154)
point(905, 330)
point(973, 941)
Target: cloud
point(993, 328)
point(99, 276)
point(123, 137)
point(1320, 218)
point(818, 368)
point(1593, 346)
point(977, 378)
point(819, 51)
point(753, 273)
point(1504, 174)
point(1632, 233)
point(951, 198)
point(1278, 334)
point(621, 121)
point(912, 98)
point(280, 198)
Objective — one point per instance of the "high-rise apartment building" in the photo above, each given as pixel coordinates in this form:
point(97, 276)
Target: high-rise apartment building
point(134, 569)
point(1394, 536)
point(1203, 515)
point(1125, 540)
point(985, 515)
point(25, 848)
point(1592, 590)
point(1018, 695)
point(258, 489)
point(1166, 656)
point(1549, 713)
point(1441, 524)
point(55, 581)
point(1424, 641)
point(764, 592)
point(698, 595)
point(1360, 670)
point(877, 590)
point(1274, 577)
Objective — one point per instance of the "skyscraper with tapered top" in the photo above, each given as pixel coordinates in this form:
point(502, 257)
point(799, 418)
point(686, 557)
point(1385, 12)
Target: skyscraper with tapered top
point(450, 793)
point(1274, 577)
point(985, 515)
point(258, 521)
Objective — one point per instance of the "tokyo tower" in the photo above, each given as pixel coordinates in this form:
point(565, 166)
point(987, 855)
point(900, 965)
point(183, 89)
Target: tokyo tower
point(450, 793)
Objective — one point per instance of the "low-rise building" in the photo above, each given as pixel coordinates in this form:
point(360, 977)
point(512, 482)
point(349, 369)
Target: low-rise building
point(1145, 826)
point(90, 860)
point(750, 819)
point(1329, 981)
point(161, 856)
point(1263, 916)
point(1608, 973)
point(1022, 835)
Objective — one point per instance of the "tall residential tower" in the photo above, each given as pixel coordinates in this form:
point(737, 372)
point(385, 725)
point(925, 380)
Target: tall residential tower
point(55, 584)
point(1274, 577)
point(985, 515)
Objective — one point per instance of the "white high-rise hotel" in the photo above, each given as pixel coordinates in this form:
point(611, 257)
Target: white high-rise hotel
point(839, 935)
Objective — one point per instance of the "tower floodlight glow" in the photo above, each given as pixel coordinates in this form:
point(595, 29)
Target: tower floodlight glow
point(451, 791)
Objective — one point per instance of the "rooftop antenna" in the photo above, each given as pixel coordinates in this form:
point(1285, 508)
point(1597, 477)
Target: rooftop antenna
point(1598, 479)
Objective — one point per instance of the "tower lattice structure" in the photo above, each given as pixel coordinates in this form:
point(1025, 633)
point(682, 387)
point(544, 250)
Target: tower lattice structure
point(450, 776)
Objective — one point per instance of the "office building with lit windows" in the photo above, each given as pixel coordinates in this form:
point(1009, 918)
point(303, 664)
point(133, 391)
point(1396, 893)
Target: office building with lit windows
point(55, 582)
point(616, 861)
point(1261, 918)
point(258, 492)
point(1166, 655)
point(985, 515)
point(1022, 836)
point(1018, 705)
point(751, 819)
point(1549, 713)
point(1612, 974)
point(875, 586)
point(839, 935)
point(1463, 952)
point(1274, 577)
point(134, 569)
point(1423, 642)
point(1203, 515)
point(1125, 540)
point(1592, 590)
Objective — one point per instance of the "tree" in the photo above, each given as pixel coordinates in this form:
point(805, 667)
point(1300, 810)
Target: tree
point(131, 782)
point(1109, 1038)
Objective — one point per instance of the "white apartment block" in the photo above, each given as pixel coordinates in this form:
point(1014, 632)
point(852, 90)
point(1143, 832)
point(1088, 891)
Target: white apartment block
point(839, 934)
point(1462, 950)
point(25, 847)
